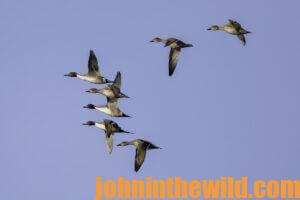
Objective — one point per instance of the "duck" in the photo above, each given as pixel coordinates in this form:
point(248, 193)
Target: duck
point(110, 127)
point(176, 45)
point(107, 125)
point(233, 28)
point(111, 108)
point(93, 75)
point(112, 90)
point(142, 146)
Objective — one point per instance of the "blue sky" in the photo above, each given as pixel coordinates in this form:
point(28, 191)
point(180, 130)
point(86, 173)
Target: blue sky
point(227, 110)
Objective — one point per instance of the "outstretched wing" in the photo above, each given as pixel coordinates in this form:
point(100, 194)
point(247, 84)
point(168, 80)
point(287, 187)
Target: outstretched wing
point(140, 155)
point(173, 59)
point(236, 25)
point(93, 64)
point(242, 39)
point(117, 81)
point(109, 141)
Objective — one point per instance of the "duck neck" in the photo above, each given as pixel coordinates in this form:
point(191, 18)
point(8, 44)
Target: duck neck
point(222, 28)
point(162, 41)
point(100, 125)
point(82, 77)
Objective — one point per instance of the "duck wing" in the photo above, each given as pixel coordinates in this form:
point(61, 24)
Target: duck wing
point(242, 38)
point(173, 59)
point(93, 65)
point(140, 154)
point(117, 81)
point(235, 24)
point(109, 141)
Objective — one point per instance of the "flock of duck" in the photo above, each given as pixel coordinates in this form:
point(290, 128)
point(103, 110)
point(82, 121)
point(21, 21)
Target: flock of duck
point(113, 93)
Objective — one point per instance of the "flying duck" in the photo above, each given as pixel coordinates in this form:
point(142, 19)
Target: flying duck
point(140, 153)
point(110, 127)
point(233, 28)
point(112, 90)
point(176, 46)
point(93, 74)
point(111, 108)
point(106, 125)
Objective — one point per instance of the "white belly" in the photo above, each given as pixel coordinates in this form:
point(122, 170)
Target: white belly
point(104, 109)
point(87, 78)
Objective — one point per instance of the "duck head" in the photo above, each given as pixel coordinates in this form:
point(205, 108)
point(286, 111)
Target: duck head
point(89, 123)
point(71, 74)
point(89, 106)
point(125, 143)
point(213, 28)
point(157, 39)
point(93, 90)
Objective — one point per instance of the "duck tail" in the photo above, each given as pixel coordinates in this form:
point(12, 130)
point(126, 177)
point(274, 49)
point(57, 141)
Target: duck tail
point(124, 115)
point(126, 132)
point(124, 96)
point(188, 45)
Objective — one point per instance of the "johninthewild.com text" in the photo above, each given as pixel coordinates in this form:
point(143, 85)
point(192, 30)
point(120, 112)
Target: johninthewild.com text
point(178, 188)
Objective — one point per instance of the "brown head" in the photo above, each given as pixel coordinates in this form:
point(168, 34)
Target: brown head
point(157, 39)
point(213, 28)
point(71, 74)
point(93, 90)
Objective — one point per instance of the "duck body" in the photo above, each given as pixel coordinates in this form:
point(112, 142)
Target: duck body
point(142, 146)
point(229, 29)
point(111, 91)
point(176, 45)
point(93, 79)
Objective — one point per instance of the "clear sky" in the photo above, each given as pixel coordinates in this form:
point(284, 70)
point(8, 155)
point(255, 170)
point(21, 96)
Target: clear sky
point(227, 110)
